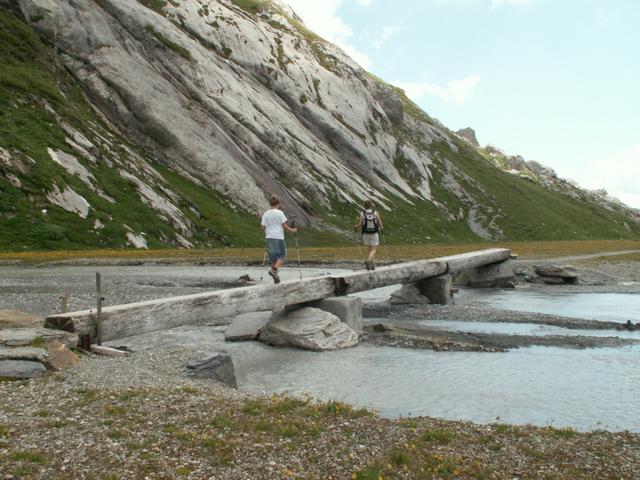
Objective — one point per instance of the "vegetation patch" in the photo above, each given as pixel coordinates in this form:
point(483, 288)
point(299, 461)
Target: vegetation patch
point(170, 44)
point(155, 5)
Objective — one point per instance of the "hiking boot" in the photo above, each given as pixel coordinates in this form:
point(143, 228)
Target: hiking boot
point(366, 265)
point(274, 274)
point(372, 265)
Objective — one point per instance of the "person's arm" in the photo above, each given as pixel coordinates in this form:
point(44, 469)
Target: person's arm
point(379, 221)
point(262, 225)
point(286, 226)
point(358, 222)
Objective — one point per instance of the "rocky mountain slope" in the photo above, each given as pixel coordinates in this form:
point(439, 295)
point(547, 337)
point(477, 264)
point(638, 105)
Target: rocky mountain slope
point(158, 123)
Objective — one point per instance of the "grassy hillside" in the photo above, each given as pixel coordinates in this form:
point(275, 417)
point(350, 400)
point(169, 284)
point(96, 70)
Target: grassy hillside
point(36, 96)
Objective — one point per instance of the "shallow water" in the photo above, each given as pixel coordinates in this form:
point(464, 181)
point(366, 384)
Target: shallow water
point(614, 307)
point(584, 389)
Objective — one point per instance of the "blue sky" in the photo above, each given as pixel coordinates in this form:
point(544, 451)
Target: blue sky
point(554, 81)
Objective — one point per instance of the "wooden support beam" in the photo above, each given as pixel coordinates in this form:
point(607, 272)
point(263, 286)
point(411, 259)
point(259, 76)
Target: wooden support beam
point(121, 321)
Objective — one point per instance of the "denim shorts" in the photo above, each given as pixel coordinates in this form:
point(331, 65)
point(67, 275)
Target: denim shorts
point(277, 249)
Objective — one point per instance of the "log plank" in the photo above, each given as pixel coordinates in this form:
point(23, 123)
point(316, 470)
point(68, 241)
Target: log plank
point(218, 306)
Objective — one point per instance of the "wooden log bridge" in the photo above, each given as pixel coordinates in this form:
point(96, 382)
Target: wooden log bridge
point(121, 321)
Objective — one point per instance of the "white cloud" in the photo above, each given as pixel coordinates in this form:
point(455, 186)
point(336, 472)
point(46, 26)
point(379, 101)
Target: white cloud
point(365, 3)
point(492, 3)
point(618, 173)
point(387, 33)
point(457, 91)
point(322, 17)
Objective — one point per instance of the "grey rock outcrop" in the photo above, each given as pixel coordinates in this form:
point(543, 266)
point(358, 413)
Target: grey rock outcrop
point(310, 329)
point(238, 109)
point(469, 135)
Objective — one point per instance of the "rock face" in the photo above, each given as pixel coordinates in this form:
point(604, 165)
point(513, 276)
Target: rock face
point(469, 135)
point(228, 101)
point(310, 329)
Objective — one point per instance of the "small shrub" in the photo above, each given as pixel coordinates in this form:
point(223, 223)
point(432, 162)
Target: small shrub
point(441, 437)
point(399, 458)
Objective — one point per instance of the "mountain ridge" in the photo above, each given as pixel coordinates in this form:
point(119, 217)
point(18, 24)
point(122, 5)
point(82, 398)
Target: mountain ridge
point(194, 112)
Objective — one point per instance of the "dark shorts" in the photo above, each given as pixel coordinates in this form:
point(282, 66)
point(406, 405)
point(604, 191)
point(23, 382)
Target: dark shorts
point(276, 248)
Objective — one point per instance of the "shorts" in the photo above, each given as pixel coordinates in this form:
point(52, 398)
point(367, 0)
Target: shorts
point(371, 239)
point(277, 249)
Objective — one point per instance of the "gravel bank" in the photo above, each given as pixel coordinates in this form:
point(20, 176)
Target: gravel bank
point(141, 417)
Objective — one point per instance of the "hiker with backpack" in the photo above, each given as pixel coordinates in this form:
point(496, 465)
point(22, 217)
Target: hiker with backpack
point(274, 223)
point(370, 225)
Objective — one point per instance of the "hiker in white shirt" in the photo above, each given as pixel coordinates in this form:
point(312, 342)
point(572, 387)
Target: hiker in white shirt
point(274, 223)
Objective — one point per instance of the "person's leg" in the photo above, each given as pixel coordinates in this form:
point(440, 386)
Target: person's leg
point(372, 252)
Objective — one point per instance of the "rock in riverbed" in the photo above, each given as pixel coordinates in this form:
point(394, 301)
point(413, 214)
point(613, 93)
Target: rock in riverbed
point(310, 329)
point(555, 275)
point(218, 367)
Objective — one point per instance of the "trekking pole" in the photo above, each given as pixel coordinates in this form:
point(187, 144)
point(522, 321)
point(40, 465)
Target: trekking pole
point(264, 261)
point(298, 254)
point(355, 233)
point(384, 245)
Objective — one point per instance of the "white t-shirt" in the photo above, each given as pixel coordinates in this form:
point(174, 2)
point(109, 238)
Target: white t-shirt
point(273, 220)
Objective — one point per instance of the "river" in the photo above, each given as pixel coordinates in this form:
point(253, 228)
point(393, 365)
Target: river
point(584, 389)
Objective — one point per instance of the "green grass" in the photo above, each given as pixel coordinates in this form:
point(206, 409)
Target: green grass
point(170, 44)
point(155, 5)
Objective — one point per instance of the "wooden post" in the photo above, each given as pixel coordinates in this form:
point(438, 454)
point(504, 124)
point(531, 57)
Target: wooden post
point(64, 301)
point(100, 299)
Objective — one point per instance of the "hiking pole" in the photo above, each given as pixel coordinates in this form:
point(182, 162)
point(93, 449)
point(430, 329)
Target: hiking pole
point(355, 233)
point(384, 245)
point(264, 261)
point(298, 254)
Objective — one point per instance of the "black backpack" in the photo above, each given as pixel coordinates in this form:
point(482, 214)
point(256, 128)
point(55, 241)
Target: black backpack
point(369, 221)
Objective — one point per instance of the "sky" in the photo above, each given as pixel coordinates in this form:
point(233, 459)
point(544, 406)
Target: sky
point(556, 81)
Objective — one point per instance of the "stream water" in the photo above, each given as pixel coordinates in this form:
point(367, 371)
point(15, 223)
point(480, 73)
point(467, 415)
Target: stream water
point(584, 389)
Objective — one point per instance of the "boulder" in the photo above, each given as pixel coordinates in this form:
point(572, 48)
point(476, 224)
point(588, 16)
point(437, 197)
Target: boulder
point(247, 326)
point(493, 275)
point(16, 319)
point(19, 369)
point(347, 309)
point(310, 329)
point(409, 294)
point(566, 274)
point(437, 289)
point(59, 357)
point(218, 367)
